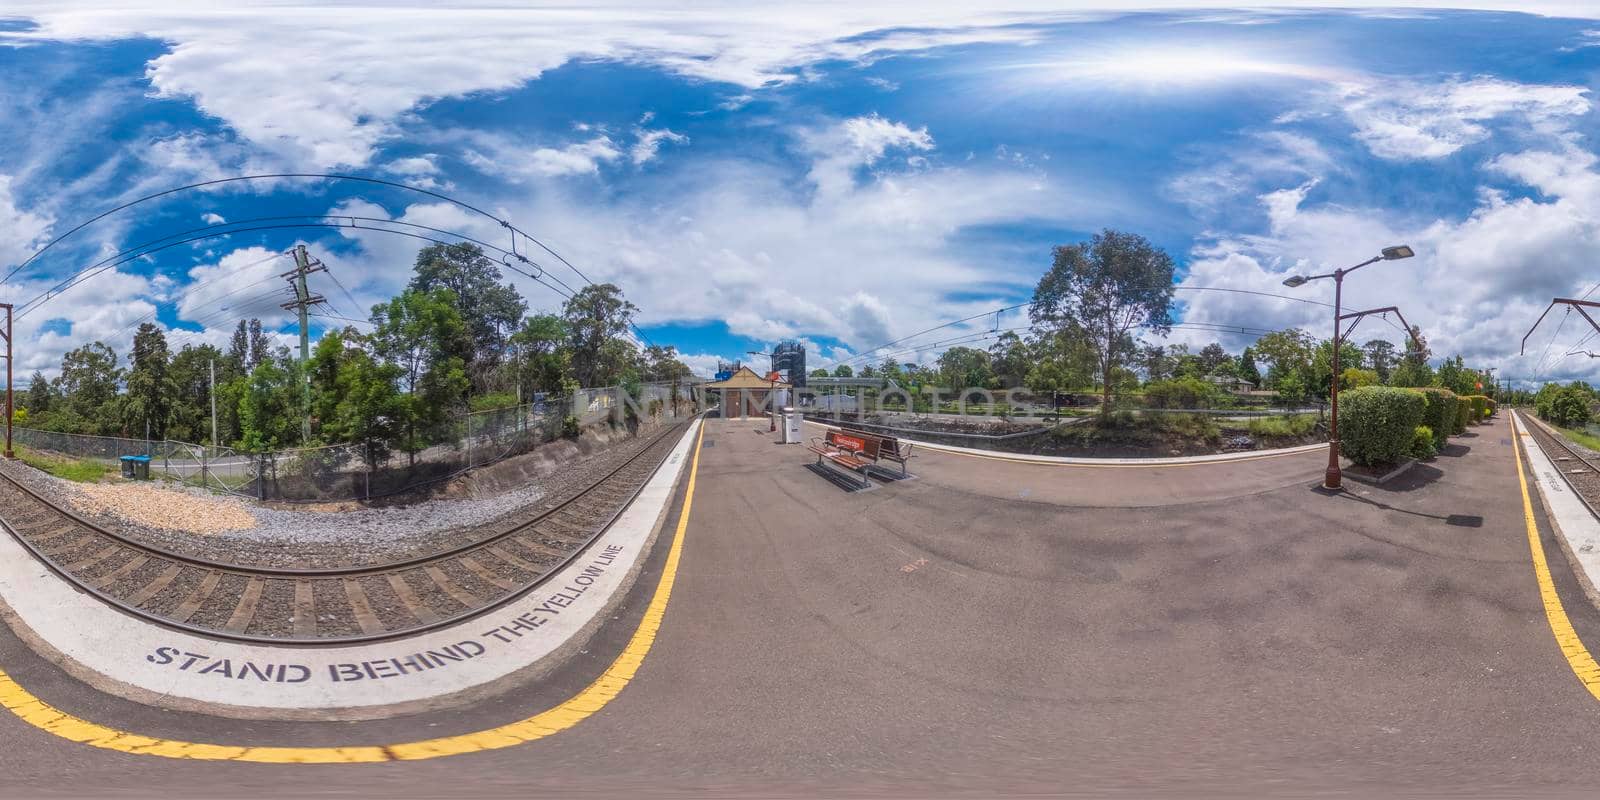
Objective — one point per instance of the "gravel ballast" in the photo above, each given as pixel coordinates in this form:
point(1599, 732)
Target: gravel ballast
point(225, 528)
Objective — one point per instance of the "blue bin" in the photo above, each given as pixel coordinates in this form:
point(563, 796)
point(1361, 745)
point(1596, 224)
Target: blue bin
point(136, 467)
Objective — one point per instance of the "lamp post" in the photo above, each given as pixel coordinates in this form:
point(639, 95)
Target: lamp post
point(1332, 478)
point(772, 392)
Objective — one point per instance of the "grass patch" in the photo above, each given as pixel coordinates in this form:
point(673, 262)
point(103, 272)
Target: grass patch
point(72, 469)
point(1283, 426)
point(1584, 438)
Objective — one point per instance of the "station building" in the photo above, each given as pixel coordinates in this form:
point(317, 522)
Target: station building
point(744, 393)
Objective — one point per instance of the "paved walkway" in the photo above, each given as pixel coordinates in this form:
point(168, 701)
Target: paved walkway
point(1226, 627)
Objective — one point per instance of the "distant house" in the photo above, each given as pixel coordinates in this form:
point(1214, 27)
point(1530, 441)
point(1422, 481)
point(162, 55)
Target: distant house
point(1231, 383)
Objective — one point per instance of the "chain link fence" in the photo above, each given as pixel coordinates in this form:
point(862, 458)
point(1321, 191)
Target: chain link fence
point(365, 470)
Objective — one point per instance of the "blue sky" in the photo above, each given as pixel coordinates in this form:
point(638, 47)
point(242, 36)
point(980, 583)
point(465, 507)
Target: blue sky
point(846, 178)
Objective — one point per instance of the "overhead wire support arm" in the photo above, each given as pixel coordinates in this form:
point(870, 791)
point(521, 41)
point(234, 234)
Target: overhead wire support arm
point(1355, 318)
point(1570, 303)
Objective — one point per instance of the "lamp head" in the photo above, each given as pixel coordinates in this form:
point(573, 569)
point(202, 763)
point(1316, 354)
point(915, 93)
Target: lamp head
point(1397, 252)
point(1294, 280)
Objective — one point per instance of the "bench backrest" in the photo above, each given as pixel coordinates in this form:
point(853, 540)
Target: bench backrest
point(864, 444)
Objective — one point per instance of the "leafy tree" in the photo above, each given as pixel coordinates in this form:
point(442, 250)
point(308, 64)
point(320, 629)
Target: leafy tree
point(89, 379)
point(354, 396)
point(1288, 350)
point(489, 309)
point(820, 373)
point(540, 359)
point(268, 407)
point(596, 315)
point(260, 347)
point(662, 365)
point(41, 395)
point(1155, 362)
point(843, 371)
point(423, 335)
point(1380, 357)
point(238, 351)
point(1290, 388)
point(1355, 378)
point(1320, 380)
point(1413, 369)
point(1247, 367)
point(190, 378)
point(1010, 358)
point(148, 407)
point(1106, 288)
point(962, 368)
point(1213, 356)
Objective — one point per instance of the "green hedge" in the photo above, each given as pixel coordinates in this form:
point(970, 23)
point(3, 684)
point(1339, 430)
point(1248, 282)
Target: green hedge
point(1439, 413)
point(1377, 424)
point(1463, 414)
point(1480, 407)
point(1493, 406)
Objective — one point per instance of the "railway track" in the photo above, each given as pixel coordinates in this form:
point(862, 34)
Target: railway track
point(339, 605)
point(1580, 473)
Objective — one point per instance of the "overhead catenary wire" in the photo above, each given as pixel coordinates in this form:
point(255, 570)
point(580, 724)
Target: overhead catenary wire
point(515, 231)
point(277, 223)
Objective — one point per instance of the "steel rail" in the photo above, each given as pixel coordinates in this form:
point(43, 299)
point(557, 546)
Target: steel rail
point(1539, 426)
point(288, 573)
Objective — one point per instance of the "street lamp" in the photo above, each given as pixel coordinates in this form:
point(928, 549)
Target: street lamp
point(1332, 478)
point(772, 393)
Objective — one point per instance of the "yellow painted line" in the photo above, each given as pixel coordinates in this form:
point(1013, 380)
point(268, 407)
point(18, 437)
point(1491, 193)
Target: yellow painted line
point(941, 449)
point(1578, 657)
point(581, 706)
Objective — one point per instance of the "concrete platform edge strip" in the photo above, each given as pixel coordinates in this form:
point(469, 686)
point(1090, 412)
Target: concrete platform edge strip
point(246, 680)
point(1572, 520)
point(1577, 655)
point(1078, 461)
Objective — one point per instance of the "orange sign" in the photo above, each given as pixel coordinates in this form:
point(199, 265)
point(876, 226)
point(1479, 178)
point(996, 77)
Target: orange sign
point(774, 376)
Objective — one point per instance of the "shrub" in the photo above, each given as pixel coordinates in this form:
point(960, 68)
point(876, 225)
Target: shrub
point(569, 427)
point(1194, 426)
point(1379, 423)
point(1179, 393)
point(1439, 412)
point(1493, 406)
point(1569, 408)
point(1463, 414)
point(1480, 407)
point(1422, 443)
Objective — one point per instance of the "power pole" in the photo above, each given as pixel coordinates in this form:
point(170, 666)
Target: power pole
point(303, 301)
point(213, 402)
point(8, 454)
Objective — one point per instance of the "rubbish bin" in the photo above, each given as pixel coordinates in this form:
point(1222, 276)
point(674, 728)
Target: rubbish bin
point(136, 467)
point(792, 422)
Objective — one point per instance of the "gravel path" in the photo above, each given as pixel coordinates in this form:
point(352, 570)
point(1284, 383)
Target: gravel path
point(236, 530)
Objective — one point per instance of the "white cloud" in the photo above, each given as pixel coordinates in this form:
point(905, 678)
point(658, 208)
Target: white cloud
point(240, 285)
point(415, 166)
point(213, 218)
point(25, 230)
point(1475, 286)
point(839, 149)
point(648, 142)
point(498, 156)
point(1403, 121)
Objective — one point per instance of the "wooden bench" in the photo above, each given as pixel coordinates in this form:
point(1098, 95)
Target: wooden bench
point(854, 452)
point(891, 449)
